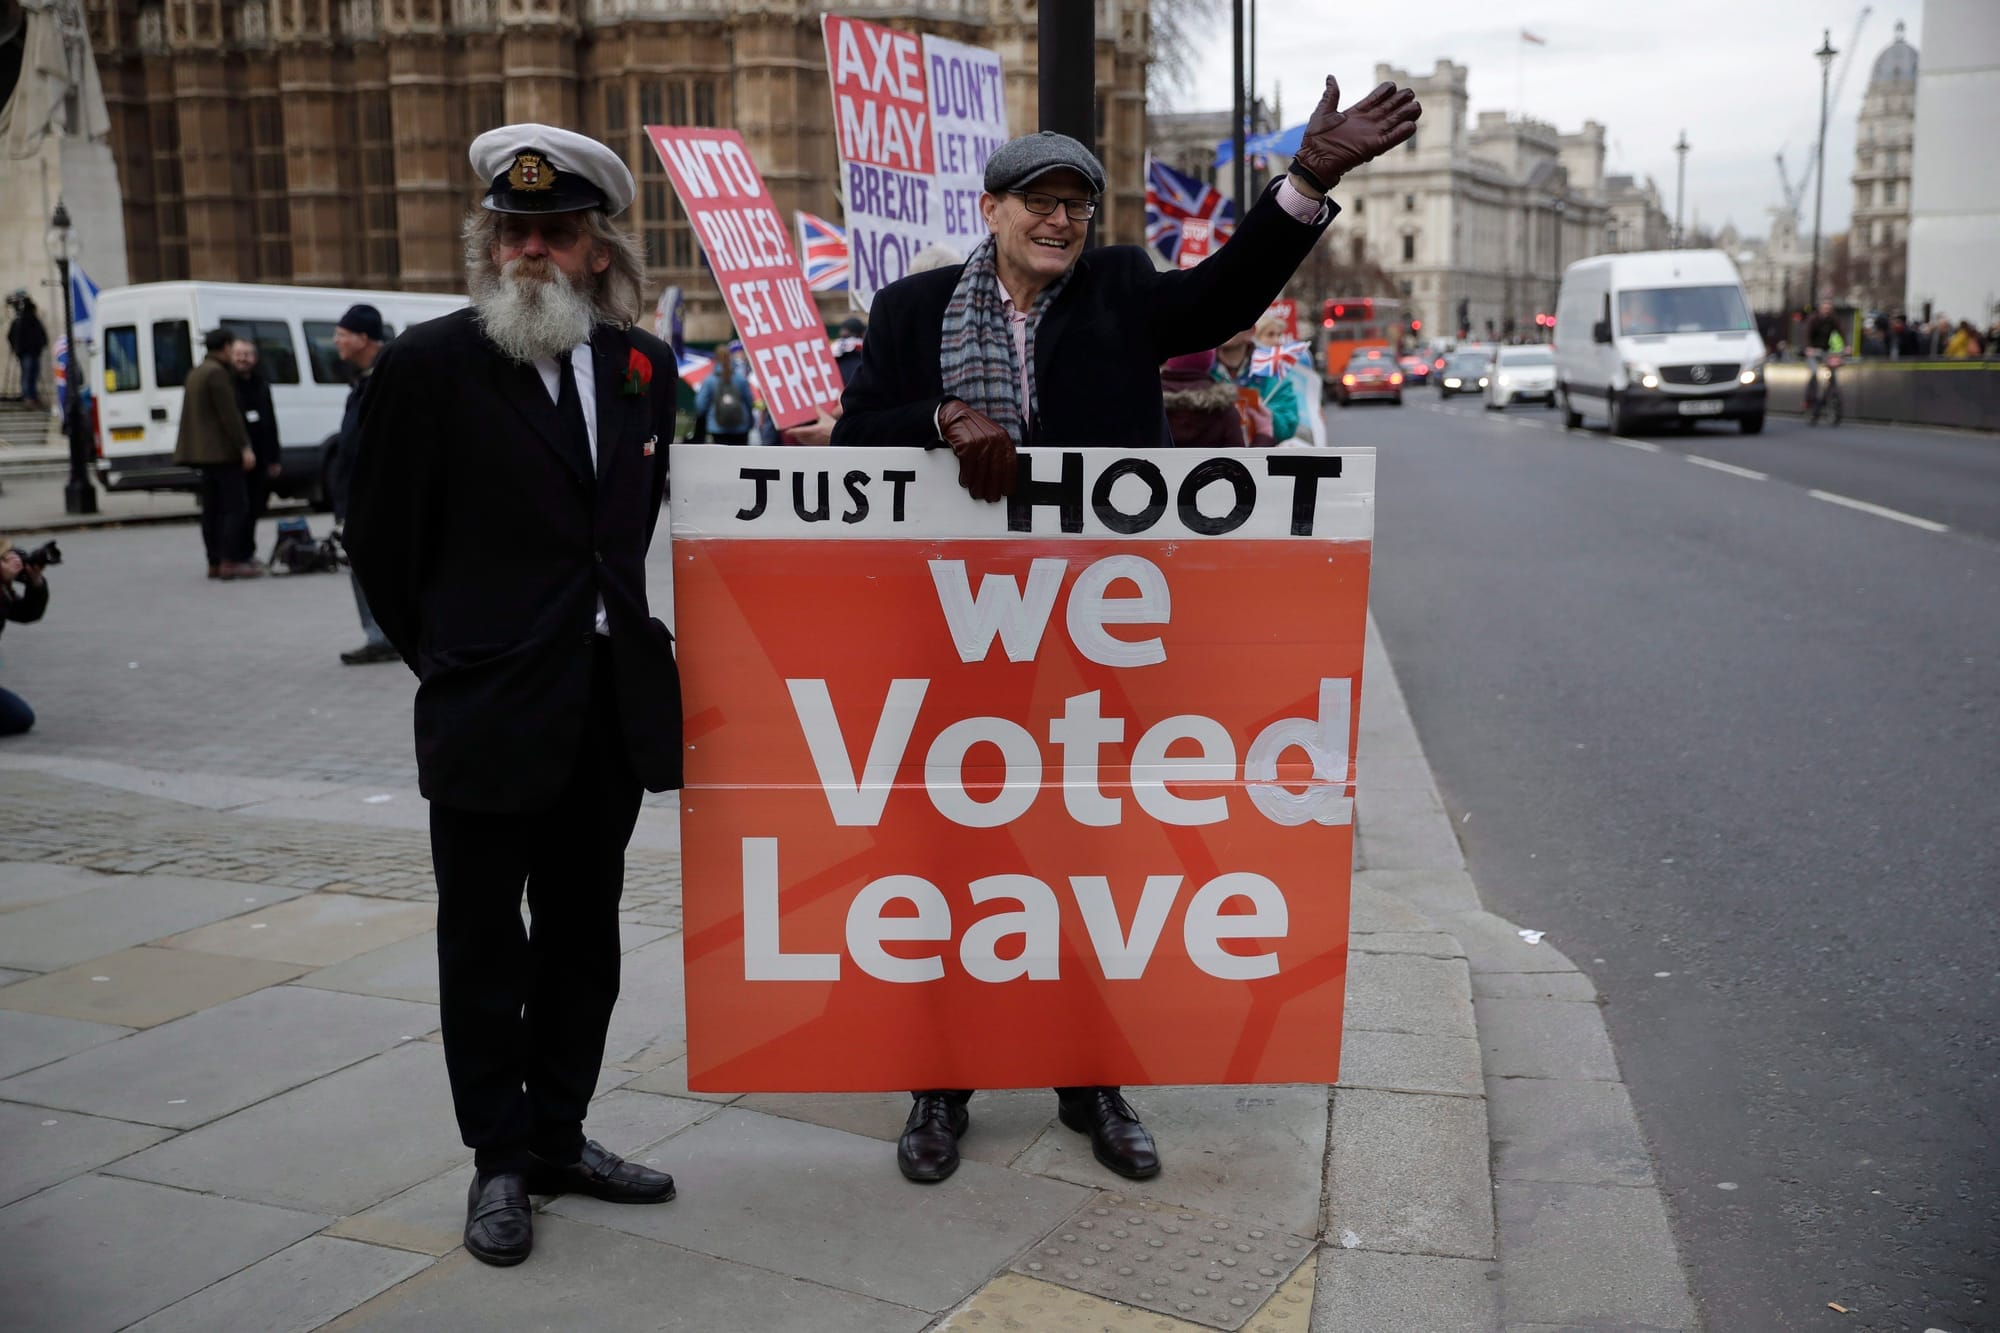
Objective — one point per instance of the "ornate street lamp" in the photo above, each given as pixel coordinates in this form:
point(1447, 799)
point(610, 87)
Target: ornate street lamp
point(79, 497)
point(1826, 53)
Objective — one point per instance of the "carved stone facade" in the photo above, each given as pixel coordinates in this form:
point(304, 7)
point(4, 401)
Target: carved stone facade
point(1878, 237)
point(322, 142)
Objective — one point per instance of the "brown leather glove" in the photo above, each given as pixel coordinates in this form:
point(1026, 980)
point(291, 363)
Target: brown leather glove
point(1336, 142)
point(985, 453)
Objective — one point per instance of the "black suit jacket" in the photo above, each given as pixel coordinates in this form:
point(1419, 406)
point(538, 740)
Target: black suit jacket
point(1100, 344)
point(483, 541)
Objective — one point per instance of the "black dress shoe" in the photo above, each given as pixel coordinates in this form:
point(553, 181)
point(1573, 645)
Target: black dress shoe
point(602, 1175)
point(1117, 1139)
point(369, 652)
point(928, 1150)
point(499, 1229)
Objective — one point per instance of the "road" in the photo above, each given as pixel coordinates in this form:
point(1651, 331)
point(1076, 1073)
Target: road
point(1736, 748)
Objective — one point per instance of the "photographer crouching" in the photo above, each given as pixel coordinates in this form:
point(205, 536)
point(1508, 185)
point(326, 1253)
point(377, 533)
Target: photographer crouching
point(24, 595)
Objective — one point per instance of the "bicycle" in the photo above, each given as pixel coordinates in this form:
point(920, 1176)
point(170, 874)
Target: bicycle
point(1823, 402)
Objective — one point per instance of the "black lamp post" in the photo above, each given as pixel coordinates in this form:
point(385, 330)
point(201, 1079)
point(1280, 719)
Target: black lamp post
point(1826, 53)
point(79, 497)
point(1680, 188)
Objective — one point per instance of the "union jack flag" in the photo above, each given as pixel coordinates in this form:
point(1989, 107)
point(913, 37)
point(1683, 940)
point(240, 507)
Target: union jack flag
point(822, 253)
point(1281, 359)
point(1171, 198)
point(694, 368)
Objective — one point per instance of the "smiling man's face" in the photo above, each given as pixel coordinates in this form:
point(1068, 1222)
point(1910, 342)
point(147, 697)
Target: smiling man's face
point(1033, 250)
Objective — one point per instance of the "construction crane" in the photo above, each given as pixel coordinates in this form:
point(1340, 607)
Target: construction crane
point(1795, 194)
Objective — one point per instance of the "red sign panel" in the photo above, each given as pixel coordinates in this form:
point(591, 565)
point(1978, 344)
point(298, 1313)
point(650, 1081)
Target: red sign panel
point(749, 248)
point(1043, 793)
point(881, 110)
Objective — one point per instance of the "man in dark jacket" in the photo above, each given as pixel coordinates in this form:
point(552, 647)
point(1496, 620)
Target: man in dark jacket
point(24, 605)
point(253, 400)
point(215, 443)
point(27, 340)
point(357, 341)
point(1033, 341)
point(511, 464)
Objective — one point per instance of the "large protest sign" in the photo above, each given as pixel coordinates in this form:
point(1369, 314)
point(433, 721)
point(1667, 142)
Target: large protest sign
point(749, 249)
point(1046, 792)
point(915, 118)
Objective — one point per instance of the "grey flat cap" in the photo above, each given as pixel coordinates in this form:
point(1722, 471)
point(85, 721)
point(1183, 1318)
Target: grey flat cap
point(1021, 160)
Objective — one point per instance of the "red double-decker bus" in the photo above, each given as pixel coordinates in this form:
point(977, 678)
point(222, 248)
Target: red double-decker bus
point(1348, 322)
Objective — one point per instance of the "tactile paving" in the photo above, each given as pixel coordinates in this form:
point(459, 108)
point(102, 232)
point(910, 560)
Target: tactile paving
point(1191, 1265)
point(1011, 1303)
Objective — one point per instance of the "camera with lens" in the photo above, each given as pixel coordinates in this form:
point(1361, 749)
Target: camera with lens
point(48, 553)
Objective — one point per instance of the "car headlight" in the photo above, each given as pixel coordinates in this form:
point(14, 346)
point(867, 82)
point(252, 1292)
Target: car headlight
point(1450, 383)
point(1645, 376)
point(1751, 373)
point(1482, 381)
point(1506, 380)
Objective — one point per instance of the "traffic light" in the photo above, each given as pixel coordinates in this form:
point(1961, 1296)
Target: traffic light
point(1416, 326)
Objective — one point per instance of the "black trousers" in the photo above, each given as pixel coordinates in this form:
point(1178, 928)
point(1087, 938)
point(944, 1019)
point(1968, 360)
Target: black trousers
point(525, 1009)
point(225, 514)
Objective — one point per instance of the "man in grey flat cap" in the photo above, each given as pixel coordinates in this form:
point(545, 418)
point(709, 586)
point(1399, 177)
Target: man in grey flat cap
point(510, 464)
point(1034, 342)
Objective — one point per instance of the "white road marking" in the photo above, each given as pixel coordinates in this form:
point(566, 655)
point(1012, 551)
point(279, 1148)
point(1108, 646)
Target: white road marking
point(1879, 511)
point(1645, 446)
point(1730, 468)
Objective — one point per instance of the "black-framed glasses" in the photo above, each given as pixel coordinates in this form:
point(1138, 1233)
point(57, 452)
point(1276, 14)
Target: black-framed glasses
point(1042, 205)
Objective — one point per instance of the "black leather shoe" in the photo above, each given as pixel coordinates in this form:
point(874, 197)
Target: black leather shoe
point(1117, 1139)
point(602, 1175)
point(928, 1150)
point(369, 652)
point(499, 1229)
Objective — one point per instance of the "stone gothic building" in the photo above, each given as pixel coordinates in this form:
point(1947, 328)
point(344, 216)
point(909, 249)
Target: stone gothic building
point(1878, 236)
point(322, 142)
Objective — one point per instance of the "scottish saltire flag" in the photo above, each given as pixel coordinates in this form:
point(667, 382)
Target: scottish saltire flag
point(1281, 359)
point(822, 253)
point(1172, 198)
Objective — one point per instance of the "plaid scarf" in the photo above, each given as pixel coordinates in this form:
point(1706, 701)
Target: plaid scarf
point(977, 356)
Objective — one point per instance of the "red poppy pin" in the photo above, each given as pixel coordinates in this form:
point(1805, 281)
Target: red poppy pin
point(638, 373)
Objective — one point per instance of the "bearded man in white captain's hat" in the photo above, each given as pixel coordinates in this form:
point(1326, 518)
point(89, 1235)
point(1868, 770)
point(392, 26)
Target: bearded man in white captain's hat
point(512, 459)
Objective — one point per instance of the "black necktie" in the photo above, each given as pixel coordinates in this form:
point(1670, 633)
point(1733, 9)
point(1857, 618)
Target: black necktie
point(569, 407)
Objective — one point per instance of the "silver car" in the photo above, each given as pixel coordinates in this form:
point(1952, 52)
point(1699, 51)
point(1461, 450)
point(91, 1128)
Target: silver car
point(1521, 372)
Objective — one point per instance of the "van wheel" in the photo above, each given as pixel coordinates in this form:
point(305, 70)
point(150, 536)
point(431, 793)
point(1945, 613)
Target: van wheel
point(1751, 425)
point(1622, 419)
point(1572, 419)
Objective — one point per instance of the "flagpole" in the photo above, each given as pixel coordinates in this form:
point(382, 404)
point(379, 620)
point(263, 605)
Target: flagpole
point(1236, 109)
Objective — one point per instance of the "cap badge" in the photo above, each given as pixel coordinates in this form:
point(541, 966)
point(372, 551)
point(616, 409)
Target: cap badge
point(531, 173)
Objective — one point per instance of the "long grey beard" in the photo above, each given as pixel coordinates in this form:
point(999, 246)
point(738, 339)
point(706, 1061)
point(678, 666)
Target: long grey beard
point(527, 318)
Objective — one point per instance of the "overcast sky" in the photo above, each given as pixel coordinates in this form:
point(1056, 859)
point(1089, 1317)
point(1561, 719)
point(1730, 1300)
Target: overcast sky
point(1738, 75)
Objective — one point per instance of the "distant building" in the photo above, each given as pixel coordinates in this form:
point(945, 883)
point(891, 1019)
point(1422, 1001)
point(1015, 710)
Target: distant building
point(1878, 236)
point(1637, 220)
point(323, 141)
point(1954, 264)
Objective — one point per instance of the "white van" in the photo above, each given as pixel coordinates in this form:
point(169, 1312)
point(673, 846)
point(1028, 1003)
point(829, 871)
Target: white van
point(1656, 336)
point(149, 336)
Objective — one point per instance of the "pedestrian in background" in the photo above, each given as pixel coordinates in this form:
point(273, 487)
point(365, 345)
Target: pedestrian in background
point(357, 341)
point(1275, 393)
point(253, 400)
point(1201, 410)
point(1035, 341)
point(1963, 344)
point(27, 340)
point(24, 604)
point(512, 458)
point(847, 345)
point(215, 443)
point(722, 404)
point(1273, 331)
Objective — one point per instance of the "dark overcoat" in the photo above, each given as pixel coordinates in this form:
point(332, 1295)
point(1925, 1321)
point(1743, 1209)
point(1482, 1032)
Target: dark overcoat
point(1100, 343)
point(483, 541)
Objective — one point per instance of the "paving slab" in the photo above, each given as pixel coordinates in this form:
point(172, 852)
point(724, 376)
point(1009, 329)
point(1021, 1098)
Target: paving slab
point(28, 1039)
point(632, 1124)
point(1370, 909)
point(1004, 1123)
point(1596, 1255)
point(587, 1277)
point(96, 1252)
point(24, 883)
point(1540, 1039)
point(144, 987)
point(405, 970)
point(40, 1147)
point(1408, 993)
point(204, 1066)
point(747, 1181)
point(318, 930)
point(1404, 831)
point(294, 1291)
point(335, 1146)
point(127, 910)
point(1361, 1289)
point(1494, 944)
point(1408, 1173)
point(1565, 1130)
point(652, 1001)
point(1429, 943)
point(670, 1079)
point(1405, 1062)
point(427, 1218)
point(1250, 1152)
point(9, 975)
point(1011, 1303)
point(1440, 893)
point(1532, 986)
